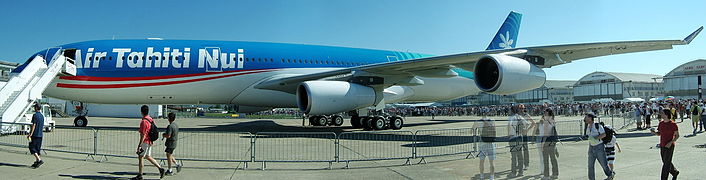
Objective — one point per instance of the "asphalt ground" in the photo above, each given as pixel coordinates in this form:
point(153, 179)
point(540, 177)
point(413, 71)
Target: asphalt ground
point(638, 160)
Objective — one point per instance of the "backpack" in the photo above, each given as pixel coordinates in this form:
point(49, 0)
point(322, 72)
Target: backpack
point(154, 133)
point(488, 133)
point(609, 132)
point(695, 110)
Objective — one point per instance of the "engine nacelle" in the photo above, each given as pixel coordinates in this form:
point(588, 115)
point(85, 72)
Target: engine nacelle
point(329, 97)
point(503, 75)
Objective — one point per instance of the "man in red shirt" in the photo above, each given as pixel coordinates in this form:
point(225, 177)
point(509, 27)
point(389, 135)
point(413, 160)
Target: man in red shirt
point(144, 149)
point(668, 135)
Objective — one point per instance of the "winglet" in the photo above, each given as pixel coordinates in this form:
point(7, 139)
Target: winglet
point(693, 35)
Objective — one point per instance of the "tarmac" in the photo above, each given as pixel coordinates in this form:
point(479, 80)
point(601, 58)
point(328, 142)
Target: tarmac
point(638, 160)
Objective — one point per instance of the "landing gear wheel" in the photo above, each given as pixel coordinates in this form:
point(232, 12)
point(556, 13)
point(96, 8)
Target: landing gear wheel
point(355, 122)
point(80, 121)
point(312, 121)
point(336, 120)
point(366, 121)
point(322, 120)
point(396, 122)
point(378, 123)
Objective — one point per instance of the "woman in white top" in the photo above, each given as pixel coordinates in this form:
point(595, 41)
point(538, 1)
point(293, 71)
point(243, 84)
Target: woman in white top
point(549, 140)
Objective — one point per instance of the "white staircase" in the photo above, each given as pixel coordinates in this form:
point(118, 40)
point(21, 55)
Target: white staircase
point(26, 87)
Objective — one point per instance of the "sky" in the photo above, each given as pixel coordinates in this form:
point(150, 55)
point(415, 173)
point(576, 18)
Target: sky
point(432, 27)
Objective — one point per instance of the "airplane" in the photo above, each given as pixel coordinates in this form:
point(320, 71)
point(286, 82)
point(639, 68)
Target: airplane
point(322, 81)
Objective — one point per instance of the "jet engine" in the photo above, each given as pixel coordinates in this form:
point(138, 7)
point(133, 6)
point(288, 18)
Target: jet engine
point(329, 97)
point(503, 75)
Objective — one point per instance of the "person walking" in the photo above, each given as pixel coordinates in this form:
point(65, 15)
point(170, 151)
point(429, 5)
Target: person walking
point(596, 148)
point(171, 135)
point(702, 119)
point(696, 115)
point(35, 136)
point(487, 144)
point(638, 117)
point(648, 116)
point(668, 134)
point(548, 148)
point(610, 149)
point(144, 148)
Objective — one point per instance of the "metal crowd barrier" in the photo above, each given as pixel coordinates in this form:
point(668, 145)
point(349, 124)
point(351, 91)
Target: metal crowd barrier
point(294, 147)
point(68, 140)
point(443, 142)
point(210, 146)
point(375, 145)
point(287, 146)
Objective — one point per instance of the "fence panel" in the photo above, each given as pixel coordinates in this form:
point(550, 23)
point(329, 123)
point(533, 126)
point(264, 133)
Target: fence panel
point(209, 146)
point(191, 145)
point(442, 142)
point(295, 147)
point(70, 139)
point(64, 139)
point(380, 145)
point(569, 129)
point(18, 137)
point(118, 142)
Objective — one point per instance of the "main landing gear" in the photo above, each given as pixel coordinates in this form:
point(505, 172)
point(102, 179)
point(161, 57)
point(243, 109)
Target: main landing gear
point(322, 120)
point(377, 122)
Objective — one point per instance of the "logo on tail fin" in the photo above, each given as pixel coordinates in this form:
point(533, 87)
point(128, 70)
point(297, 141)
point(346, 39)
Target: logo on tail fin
point(506, 41)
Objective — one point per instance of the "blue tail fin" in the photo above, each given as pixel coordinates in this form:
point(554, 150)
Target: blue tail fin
point(506, 37)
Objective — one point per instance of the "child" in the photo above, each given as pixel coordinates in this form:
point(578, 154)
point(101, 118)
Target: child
point(610, 151)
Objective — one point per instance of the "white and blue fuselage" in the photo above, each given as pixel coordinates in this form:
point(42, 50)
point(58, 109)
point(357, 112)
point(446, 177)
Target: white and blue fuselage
point(156, 71)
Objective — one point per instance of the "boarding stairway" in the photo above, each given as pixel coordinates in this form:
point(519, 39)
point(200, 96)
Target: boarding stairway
point(26, 87)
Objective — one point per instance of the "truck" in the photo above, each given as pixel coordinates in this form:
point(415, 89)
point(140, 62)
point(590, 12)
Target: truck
point(24, 125)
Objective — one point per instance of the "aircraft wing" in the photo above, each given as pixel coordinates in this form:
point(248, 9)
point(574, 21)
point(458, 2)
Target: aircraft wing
point(440, 66)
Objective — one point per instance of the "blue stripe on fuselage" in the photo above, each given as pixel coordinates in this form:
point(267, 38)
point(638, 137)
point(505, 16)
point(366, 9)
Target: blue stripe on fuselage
point(256, 55)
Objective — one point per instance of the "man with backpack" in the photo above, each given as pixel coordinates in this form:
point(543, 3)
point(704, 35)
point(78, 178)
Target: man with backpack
point(148, 134)
point(596, 148)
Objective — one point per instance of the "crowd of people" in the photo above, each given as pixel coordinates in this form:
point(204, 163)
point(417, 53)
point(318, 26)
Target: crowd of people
point(571, 109)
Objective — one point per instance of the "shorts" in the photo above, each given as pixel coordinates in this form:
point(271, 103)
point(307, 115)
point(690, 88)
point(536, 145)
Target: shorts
point(486, 150)
point(35, 146)
point(146, 149)
point(169, 150)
